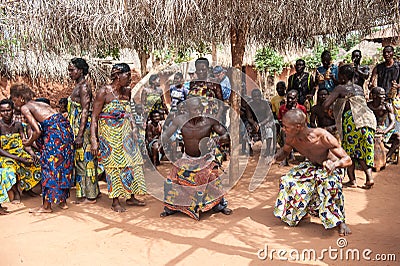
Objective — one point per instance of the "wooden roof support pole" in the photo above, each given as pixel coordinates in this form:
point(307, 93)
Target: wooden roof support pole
point(238, 43)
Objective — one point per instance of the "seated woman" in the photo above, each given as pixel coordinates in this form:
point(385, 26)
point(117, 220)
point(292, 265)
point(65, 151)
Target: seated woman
point(21, 160)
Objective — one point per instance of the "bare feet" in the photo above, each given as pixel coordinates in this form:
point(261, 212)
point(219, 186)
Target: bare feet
point(226, 211)
point(344, 230)
point(284, 163)
point(84, 201)
point(167, 212)
point(40, 209)
point(31, 193)
point(63, 205)
point(350, 184)
point(368, 185)
point(135, 202)
point(4, 211)
point(16, 201)
point(118, 208)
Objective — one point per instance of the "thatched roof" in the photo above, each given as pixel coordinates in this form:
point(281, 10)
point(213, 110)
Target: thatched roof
point(384, 33)
point(85, 27)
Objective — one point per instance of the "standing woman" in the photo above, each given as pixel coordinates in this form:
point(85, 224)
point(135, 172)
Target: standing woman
point(57, 151)
point(113, 133)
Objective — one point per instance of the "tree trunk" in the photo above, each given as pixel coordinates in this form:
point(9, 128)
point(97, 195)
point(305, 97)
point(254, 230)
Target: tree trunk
point(238, 44)
point(214, 53)
point(143, 57)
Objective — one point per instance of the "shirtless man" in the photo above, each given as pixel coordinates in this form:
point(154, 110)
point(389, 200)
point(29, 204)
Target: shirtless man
point(382, 111)
point(195, 175)
point(79, 102)
point(361, 73)
point(153, 133)
point(321, 117)
point(261, 119)
point(318, 176)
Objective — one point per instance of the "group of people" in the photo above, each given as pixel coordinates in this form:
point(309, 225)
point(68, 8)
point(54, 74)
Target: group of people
point(109, 135)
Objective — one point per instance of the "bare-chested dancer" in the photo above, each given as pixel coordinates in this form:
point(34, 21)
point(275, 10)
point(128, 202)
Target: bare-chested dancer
point(79, 104)
point(383, 111)
point(309, 187)
point(356, 124)
point(194, 180)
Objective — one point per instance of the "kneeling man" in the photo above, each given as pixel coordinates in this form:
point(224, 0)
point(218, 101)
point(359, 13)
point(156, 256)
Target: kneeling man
point(314, 186)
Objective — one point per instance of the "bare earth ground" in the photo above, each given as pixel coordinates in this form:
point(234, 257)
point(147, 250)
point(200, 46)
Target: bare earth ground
point(95, 235)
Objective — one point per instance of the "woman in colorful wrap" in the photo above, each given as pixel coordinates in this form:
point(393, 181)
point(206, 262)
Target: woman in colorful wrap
point(22, 161)
point(314, 186)
point(356, 124)
point(79, 103)
point(52, 131)
point(152, 98)
point(114, 133)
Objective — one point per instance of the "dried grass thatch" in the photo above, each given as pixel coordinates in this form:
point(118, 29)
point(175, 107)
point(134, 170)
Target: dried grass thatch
point(86, 27)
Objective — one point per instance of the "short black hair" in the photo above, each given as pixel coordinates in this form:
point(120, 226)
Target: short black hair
point(7, 101)
point(179, 74)
point(153, 78)
point(63, 101)
point(80, 63)
point(347, 70)
point(43, 100)
point(325, 53)
point(202, 60)
point(389, 46)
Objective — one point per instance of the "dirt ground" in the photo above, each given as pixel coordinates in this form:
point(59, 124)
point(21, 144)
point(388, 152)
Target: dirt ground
point(95, 235)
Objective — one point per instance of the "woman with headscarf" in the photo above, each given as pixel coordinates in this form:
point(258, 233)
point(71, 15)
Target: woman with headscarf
point(114, 139)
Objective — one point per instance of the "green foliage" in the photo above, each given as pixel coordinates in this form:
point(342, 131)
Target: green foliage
point(267, 59)
point(8, 46)
point(397, 52)
point(203, 48)
point(313, 60)
point(352, 40)
point(173, 55)
point(114, 52)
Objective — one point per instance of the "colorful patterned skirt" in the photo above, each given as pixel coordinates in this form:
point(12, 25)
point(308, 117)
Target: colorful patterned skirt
point(7, 180)
point(308, 188)
point(56, 158)
point(194, 185)
point(119, 152)
point(27, 175)
point(84, 171)
point(358, 142)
